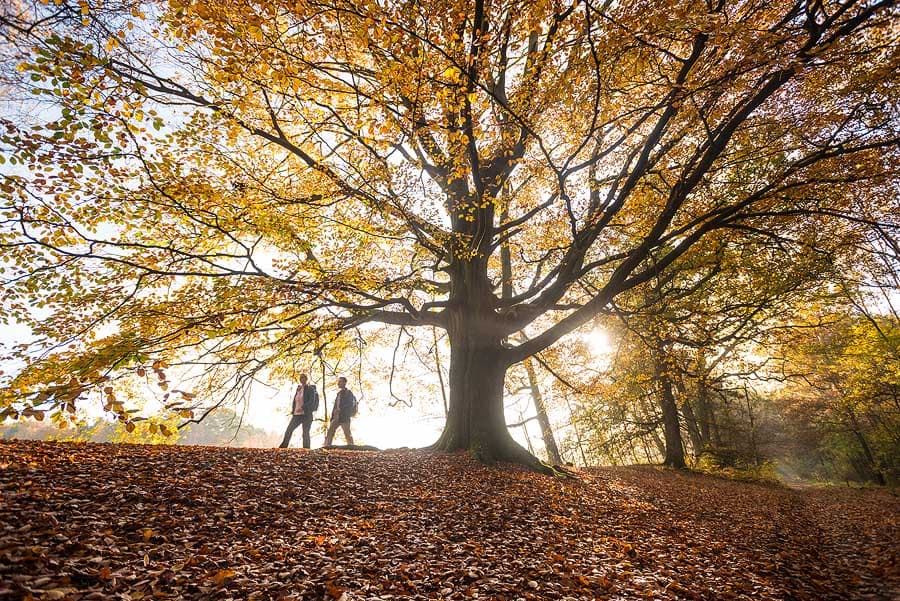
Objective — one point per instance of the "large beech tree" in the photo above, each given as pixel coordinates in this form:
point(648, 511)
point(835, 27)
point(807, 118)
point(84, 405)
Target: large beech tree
point(226, 184)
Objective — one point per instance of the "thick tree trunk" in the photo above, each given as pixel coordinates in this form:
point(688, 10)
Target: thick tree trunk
point(475, 418)
point(674, 444)
point(478, 358)
point(476, 422)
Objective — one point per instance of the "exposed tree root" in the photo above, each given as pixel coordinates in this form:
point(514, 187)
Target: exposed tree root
point(504, 451)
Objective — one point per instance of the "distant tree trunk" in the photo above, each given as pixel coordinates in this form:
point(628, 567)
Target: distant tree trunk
point(690, 420)
point(527, 434)
point(578, 439)
point(543, 420)
point(658, 442)
point(872, 463)
point(671, 424)
point(646, 449)
point(693, 430)
point(715, 432)
point(704, 412)
point(648, 415)
point(752, 419)
point(324, 396)
point(440, 371)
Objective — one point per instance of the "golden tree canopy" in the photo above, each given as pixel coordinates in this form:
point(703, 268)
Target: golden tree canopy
point(229, 183)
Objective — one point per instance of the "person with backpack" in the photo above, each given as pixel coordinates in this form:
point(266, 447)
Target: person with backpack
point(305, 404)
point(345, 407)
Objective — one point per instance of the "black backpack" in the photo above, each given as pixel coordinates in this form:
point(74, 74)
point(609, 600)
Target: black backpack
point(348, 403)
point(315, 404)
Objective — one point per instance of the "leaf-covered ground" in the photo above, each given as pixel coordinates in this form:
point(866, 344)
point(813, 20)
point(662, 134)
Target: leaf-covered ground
point(89, 521)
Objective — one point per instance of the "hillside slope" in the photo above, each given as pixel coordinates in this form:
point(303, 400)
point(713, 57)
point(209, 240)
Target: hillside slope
point(90, 521)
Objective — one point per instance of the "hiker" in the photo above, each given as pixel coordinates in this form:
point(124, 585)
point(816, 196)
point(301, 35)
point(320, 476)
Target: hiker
point(306, 401)
point(344, 408)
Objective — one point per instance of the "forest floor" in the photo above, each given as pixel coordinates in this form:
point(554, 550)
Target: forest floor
point(94, 521)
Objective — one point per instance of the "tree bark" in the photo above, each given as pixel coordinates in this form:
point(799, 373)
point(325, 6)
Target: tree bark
point(690, 418)
point(752, 419)
point(693, 430)
point(671, 423)
point(872, 464)
point(476, 422)
point(475, 419)
point(578, 439)
point(543, 420)
point(440, 371)
point(705, 413)
point(648, 415)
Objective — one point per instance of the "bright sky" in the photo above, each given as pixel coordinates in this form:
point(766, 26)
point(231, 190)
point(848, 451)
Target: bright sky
point(382, 421)
point(378, 423)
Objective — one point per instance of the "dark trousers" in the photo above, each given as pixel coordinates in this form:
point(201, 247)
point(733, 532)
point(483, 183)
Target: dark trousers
point(296, 420)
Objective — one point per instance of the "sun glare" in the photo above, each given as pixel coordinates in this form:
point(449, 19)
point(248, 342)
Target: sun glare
point(599, 343)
